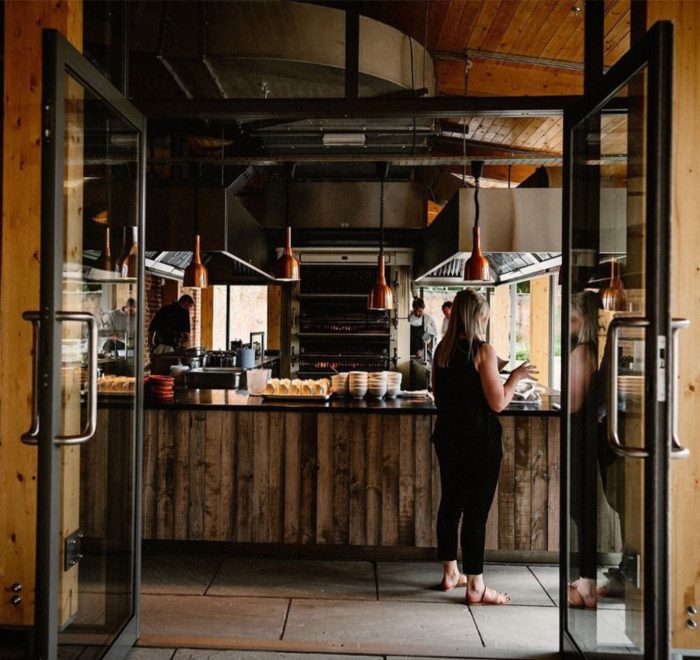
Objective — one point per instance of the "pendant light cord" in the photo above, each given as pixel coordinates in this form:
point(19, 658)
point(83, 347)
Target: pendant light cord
point(196, 199)
point(476, 201)
point(381, 217)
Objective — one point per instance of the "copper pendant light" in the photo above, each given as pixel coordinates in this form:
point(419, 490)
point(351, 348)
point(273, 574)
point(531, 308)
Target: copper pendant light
point(196, 275)
point(381, 296)
point(614, 296)
point(477, 269)
point(287, 266)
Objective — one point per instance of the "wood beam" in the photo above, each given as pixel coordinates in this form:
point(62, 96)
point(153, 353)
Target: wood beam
point(488, 77)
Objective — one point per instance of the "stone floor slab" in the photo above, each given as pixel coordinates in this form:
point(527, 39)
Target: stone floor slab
point(207, 616)
point(426, 628)
point(548, 577)
point(150, 654)
point(198, 654)
point(295, 578)
point(521, 628)
point(178, 573)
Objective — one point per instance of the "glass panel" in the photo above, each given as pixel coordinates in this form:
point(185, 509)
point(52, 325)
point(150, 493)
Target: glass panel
point(100, 202)
point(608, 272)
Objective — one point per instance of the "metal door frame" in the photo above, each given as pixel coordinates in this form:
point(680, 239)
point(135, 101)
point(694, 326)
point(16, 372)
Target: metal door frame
point(61, 58)
point(655, 52)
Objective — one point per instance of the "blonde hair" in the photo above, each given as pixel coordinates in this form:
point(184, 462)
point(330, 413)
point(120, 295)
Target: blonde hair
point(587, 304)
point(468, 308)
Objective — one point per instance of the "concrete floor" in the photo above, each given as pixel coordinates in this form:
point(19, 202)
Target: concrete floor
point(214, 607)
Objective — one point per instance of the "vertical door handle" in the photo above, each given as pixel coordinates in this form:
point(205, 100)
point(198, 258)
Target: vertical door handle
point(31, 437)
point(677, 449)
point(613, 435)
point(91, 426)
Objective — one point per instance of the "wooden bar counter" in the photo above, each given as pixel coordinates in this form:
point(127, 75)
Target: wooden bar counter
point(359, 476)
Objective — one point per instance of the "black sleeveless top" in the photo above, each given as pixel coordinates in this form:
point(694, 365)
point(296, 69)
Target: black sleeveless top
point(463, 413)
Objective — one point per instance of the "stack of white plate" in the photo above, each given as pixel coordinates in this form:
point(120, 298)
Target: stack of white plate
point(393, 383)
point(339, 384)
point(357, 384)
point(376, 384)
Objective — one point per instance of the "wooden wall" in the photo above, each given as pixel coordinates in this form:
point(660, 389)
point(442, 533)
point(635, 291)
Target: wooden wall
point(685, 202)
point(332, 479)
point(539, 326)
point(19, 282)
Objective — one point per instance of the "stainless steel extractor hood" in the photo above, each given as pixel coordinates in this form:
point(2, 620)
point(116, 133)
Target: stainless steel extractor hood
point(234, 244)
point(520, 235)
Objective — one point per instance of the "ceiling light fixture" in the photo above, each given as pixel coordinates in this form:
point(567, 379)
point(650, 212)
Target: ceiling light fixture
point(196, 275)
point(614, 296)
point(381, 297)
point(343, 139)
point(287, 266)
point(476, 270)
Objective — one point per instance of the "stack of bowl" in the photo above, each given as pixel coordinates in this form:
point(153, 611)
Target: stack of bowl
point(377, 384)
point(393, 384)
point(357, 384)
point(339, 384)
point(160, 388)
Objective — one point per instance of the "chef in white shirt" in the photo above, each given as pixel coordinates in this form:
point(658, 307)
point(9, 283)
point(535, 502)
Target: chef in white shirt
point(447, 311)
point(423, 329)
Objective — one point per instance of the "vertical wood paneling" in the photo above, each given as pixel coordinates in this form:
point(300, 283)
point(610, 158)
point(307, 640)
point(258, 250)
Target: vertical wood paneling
point(553, 470)
point(278, 422)
point(506, 487)
point(523, 484)
point(181, 491)
point(390, 482)
point(227, 426)
point(358, 480)
point(261, 476)
point(311, 429)
point(213, 475)
point(324, 503)
point(150, 476)
point(197, 477)
point(244, 477)
point(341, 478)
point(166, 473)
point(539, 326)
point(373, 521)
point(423, 479)
point(292, 479)
point(407, 480)
point(540, 483)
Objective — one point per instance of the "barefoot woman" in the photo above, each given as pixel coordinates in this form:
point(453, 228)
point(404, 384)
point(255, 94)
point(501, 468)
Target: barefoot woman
point(468, 394)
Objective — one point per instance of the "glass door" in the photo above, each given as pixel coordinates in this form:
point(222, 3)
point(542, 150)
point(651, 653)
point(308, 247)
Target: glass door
point(89, 360)
point(617, 426)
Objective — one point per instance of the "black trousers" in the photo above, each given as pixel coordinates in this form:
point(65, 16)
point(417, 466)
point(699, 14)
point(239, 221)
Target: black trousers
point(469, 469)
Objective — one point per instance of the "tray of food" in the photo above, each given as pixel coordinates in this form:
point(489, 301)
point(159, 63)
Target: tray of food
point(284, 389)
point(116, 385)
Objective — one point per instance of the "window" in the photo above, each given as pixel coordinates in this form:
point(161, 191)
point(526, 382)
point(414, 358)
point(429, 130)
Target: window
point(244, 312)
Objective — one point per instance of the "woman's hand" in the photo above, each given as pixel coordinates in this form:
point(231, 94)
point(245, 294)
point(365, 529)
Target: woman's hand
point(525, 370)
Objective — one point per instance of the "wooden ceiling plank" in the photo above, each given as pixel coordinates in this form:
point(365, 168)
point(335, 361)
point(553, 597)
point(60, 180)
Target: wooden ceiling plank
point(551, 141)
point(560, 34)
point(539, 136)
point(618, 32)
point(522, 139)
point(526, 41)
point(488, 12)
point(493, 41)
point(450, 28)
point(489, 77)
point(436, 21)
point(465, 25)
point(507, 128)
point(511, 35)
point(549, 27)
point(572, 49)
point(484, 125)
point(520, 130)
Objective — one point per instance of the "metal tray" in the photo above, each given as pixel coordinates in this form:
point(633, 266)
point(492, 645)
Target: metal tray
point(295, 397)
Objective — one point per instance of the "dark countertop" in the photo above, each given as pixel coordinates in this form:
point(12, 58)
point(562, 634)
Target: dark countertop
point(239, 399)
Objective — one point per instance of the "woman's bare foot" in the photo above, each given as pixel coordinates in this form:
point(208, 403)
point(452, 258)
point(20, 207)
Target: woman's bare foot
point(451, 582)
point(583, 593)
point(487, 596)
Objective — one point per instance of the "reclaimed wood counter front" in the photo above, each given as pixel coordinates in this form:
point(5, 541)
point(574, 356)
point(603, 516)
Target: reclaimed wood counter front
point(219, 466)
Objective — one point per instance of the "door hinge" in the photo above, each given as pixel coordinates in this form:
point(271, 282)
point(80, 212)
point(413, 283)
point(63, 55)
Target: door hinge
point(71, 549)
point(48, 119)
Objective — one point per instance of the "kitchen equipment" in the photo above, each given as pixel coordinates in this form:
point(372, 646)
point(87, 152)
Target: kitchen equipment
point(215, 378)
point(256, 380)
point(179, 373)
point(245, 358)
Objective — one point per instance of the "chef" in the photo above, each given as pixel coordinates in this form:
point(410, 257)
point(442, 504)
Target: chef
point(423, 330)
point(170, 328)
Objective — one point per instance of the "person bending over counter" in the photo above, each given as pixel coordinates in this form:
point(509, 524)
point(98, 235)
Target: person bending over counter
point(467, 438)
point(170, 328)
point(423, 330)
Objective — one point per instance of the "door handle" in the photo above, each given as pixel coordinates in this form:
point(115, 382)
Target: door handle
point(31, 437)
point(91, 426)
point(677, 449)
point(613, 435)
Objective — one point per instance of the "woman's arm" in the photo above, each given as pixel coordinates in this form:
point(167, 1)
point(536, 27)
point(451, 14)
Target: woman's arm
point(582, 365)
point(498, 394)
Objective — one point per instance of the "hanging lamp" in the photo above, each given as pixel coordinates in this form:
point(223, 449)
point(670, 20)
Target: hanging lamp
point(614, 296)
point(476, 270)
point(287, 266)
point(196, 275)
point(381, 296)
